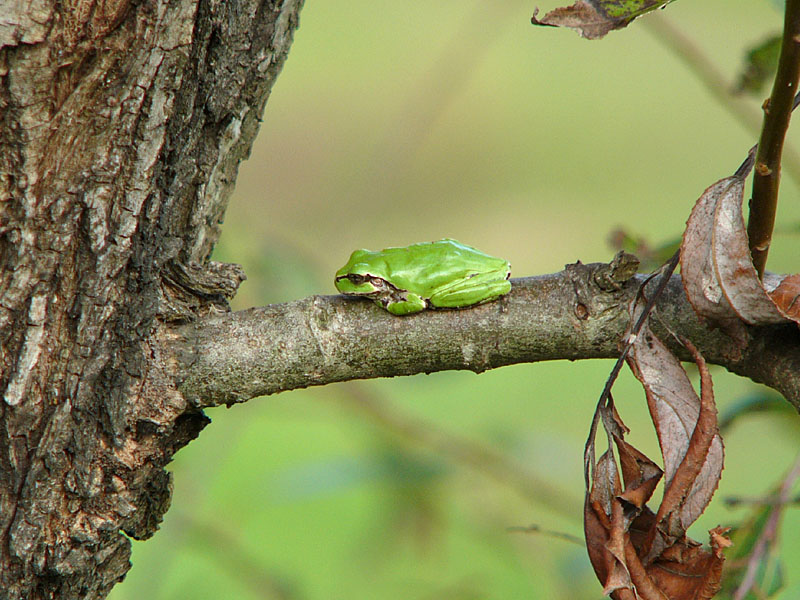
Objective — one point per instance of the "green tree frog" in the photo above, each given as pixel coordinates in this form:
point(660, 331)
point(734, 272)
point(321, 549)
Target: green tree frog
point(443, 274)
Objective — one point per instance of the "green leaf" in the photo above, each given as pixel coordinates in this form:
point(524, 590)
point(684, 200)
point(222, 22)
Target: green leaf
point(595, 18)
point(760, 65)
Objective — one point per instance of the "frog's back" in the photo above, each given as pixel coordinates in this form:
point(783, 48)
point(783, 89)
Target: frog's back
point(427, 266)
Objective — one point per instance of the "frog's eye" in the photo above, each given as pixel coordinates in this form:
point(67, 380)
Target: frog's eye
point(356, 279)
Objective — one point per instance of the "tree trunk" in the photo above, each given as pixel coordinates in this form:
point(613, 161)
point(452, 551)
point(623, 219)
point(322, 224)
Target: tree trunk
point(122, 125)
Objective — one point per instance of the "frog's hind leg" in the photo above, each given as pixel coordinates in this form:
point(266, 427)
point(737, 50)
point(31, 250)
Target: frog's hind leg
point(464, 295)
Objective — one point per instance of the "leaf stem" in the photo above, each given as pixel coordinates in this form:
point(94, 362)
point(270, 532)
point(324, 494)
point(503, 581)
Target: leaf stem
point(665, 273)
point(777, 112)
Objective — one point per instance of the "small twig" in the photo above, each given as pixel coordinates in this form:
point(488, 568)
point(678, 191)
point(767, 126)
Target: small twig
point(769, 534)
point(461, 450)
point(227, 549)
point(549, 532)
point(777, 112)
point(733, 501)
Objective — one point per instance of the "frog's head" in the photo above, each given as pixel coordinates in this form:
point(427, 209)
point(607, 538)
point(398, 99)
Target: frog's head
point(358, 276)
point(359, 285)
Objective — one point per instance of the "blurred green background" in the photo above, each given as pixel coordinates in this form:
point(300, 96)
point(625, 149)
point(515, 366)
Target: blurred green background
point(395, 123)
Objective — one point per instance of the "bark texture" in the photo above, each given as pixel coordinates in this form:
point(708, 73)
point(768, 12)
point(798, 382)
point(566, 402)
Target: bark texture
point(122, 124)
point(233, 357)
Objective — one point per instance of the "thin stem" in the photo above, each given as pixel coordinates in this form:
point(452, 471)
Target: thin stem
point(665, 273)
point(573, 539)
point(777, 112)
point(759, 501)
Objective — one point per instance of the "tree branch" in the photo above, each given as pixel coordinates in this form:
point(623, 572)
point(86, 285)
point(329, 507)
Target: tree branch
point(230, 358)
point(777, 112)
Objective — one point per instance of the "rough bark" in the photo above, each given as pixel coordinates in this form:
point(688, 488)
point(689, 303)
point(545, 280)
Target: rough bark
point(122, 125)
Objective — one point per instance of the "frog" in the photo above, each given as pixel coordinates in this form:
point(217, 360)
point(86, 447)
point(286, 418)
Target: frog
point(444, 274)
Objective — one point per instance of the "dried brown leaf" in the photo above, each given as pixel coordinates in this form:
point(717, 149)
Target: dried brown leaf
point(598, 527)
point(581, 16)
point(595, 18)
point(636, 554)
point(606, 484)
point(717, 271)
point(734, 267)
point(646, 588)
point(617, 531)
point(697, 477)
point(787, 297)
point(640, 474)
point(688, 571)
point(698, 271)
point(675, 409)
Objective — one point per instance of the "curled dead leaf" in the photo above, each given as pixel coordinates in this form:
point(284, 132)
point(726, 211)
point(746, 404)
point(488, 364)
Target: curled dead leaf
point(617, 531)
point(636, 553)
point(718, 274)
point(697, 476)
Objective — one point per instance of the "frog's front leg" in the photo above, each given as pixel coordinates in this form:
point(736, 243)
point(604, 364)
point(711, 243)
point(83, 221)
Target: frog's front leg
point(411, 303)
point(480, 288)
